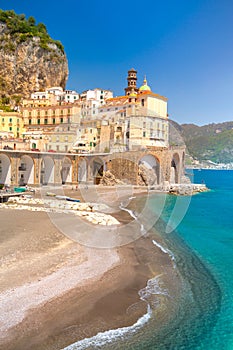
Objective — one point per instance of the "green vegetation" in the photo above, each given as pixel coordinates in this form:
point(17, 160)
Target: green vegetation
point(209, 142)
point(22, 29)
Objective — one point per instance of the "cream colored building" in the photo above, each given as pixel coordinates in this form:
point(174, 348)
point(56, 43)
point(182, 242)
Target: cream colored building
point(11, 124)
point(52, 115)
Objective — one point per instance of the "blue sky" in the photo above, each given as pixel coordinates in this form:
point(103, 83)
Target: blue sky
point(184, 47)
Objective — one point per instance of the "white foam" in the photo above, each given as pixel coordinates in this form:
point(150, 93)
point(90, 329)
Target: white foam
point(152, 288)
point(165, 250)
point(134, 216)
point(107, 337)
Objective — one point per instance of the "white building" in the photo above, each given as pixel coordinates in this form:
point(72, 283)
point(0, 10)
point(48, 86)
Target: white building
point(91, 100)
point(71, 96)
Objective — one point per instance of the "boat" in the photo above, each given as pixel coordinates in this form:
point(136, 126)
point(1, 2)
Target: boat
point(62, 197)
point(20, 189)
point(50, 194)
point(73, 199)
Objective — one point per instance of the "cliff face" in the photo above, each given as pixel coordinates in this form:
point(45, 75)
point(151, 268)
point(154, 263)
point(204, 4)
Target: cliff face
point(27, 66)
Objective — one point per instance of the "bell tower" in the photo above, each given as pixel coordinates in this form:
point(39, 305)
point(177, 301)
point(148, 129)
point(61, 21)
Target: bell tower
point(132, 82)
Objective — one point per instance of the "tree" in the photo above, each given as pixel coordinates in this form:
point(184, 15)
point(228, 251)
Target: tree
point(42, 28)
point(31, 21)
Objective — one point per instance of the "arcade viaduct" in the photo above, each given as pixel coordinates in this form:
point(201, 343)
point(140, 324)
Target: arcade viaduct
point(19, 168)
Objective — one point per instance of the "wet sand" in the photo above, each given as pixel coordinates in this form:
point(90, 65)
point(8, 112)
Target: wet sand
point(55, 291)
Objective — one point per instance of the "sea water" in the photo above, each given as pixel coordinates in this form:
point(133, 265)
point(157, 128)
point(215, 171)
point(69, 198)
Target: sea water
point(201, 248)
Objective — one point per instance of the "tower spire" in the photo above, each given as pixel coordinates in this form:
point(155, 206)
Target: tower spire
point(132, 82)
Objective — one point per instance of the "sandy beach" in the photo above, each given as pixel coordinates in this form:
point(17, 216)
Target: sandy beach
point(54, 291)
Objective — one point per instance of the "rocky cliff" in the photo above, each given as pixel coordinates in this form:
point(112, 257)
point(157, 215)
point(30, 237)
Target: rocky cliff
point(29, 59)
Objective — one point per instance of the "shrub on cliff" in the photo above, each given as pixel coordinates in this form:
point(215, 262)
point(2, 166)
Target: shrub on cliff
point(21, 29)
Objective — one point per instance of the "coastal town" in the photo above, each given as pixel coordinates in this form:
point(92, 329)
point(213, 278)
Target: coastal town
point(65, 137)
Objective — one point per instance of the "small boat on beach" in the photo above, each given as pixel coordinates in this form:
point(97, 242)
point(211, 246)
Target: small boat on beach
point(72, 199)
point(20, 189)
point(66, 198)
point(50, 194)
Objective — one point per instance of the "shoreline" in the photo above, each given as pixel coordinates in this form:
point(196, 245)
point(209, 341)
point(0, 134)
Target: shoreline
point(86, 304)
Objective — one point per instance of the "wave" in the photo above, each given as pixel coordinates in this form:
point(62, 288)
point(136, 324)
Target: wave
point(166, 251)
point(133, 214)
point(103, 338)
point(107, 337)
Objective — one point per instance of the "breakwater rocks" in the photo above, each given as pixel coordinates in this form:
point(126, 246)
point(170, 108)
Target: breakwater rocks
point(92, 212)
point(186, 189)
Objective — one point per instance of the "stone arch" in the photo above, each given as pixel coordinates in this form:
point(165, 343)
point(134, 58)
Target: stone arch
point(66, 170)
point(5, 170)
point(175, 169)
point(82, 170)
point(97, 169)
point(150, 170)
point(26, 171)
point(47, 171)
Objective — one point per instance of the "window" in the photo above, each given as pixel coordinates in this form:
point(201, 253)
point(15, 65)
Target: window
point(38, 113)
point(144, 124)
point(54, 120)
point(144, 134)
point(10, 128)
point(30, 113)
point(46, 121)
point(57, 148)
point(2, 120)
point(143, 102)
point(10, 120)
point(17, 120)
point(38, 121)
point(61, 120)
point(29, 121)
point(46, 112)
point(53, 112)
point(61, 111)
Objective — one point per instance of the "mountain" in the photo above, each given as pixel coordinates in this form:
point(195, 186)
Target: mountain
point(208, 142)
point(30, 60)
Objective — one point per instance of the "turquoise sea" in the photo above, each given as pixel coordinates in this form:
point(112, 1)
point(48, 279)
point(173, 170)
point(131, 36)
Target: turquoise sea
point(201, 245)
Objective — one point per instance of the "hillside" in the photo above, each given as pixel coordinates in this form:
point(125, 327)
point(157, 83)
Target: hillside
point(209, 142)
point(30, 60)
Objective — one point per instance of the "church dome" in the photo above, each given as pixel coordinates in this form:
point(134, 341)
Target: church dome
point(145, 87)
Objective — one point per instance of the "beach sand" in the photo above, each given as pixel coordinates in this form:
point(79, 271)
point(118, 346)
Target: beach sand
point(54, 291)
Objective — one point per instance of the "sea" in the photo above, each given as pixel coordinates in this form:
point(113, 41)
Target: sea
point(197, 233)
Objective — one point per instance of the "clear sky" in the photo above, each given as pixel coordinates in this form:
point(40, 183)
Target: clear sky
point(184, 47)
